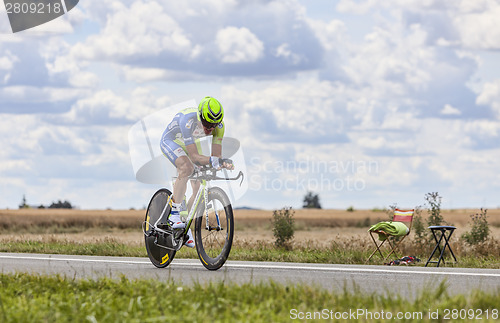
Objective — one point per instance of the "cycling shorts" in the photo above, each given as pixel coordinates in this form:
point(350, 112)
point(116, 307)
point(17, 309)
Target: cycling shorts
point(173, 149)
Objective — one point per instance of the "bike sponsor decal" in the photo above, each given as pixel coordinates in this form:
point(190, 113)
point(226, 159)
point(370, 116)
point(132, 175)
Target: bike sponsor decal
point(201, 257)
point(164, 259)
point(26, 14)
point(147, 222)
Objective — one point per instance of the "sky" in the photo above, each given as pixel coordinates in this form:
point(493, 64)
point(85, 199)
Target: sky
point(366, 103)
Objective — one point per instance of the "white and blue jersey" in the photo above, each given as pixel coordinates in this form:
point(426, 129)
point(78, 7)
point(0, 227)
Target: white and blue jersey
point(185, 129)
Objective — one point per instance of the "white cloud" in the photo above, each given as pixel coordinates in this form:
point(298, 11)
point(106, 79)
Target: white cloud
point(61, 64)
point(7, 62)
point(293, 87)
point(238, 45)
point(203, 39)
point(483, 128)
point(450, 110)
point(490, 95)
point(107, 107)
point(399, 65)
point(141, 31)
point(284, 51)
point(356, 7)
point(480, 29)
point(143, 75)
point(473, 22)
point(15, 132)
point(37, 75)
point(332, 34)
point(36, 94)
point(307, 111)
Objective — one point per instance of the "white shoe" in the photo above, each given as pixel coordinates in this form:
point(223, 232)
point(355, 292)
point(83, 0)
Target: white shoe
point(175, 220)
point(190, 240)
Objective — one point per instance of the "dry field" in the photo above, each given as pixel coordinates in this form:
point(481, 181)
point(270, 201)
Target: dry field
point(314, 227)
point(327, 227)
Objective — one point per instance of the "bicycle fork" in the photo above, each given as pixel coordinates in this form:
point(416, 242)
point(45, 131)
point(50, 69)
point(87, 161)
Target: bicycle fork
point(207, 209)
point(207, 214)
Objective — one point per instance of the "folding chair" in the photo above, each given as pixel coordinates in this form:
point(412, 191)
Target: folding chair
point(393, 230)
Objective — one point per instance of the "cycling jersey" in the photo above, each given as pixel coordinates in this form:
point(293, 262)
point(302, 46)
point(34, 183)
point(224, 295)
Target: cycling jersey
point(184, 130)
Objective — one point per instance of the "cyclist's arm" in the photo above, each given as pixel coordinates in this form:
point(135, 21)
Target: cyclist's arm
point(213, 161)
point(217, 150)
point(218, 134)
point(195, 157)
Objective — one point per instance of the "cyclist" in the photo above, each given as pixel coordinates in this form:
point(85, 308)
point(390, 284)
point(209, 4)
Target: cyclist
point(180, 144)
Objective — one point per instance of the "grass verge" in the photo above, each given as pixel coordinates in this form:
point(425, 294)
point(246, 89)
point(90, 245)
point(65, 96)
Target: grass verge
point(258, 251)
point(33, 298)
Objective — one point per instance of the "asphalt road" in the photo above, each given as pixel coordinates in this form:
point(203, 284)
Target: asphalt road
point(401, 280)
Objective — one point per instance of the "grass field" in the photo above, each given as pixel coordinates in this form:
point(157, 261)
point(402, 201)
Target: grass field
point(31, 298)
point(322, 236)
point(331, 236)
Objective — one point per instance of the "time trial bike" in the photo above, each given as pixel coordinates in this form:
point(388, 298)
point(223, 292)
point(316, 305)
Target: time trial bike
point(214, 223)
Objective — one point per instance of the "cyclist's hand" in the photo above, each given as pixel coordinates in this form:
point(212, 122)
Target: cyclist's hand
point(215, 162)
point(227, 163)
point(219, 163)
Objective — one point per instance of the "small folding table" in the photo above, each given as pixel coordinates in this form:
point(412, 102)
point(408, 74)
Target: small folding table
point(443, 232)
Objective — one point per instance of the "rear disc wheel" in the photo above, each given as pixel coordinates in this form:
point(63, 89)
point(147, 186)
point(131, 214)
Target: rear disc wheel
point(160, 257)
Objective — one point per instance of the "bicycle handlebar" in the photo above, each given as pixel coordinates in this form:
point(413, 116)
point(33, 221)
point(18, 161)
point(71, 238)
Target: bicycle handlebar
point(210, 174)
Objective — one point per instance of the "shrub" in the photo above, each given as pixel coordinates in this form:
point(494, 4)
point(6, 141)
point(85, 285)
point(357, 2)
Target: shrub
point(480, 229)
point(283, 226)
point(390, 211)
point(425, 237)
point(419, 228)
point(434, 201)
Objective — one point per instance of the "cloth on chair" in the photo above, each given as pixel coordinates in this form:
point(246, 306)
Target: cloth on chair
point(399, 228)
point(389, 227)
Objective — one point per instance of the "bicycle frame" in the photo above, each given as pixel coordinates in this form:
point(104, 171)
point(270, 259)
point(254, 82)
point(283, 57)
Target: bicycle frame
point(217, 213)
point(202, 192)
point(169, 202)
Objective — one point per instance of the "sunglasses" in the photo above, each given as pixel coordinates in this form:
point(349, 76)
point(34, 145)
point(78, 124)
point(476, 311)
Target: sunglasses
point(208, 125)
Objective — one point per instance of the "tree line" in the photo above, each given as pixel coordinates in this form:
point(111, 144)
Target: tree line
point(55, 205)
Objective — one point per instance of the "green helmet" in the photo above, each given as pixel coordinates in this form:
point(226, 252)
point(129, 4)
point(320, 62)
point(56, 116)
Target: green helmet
point(210, 112)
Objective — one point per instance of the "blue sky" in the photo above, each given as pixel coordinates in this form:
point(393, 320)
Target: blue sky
point(367, 103)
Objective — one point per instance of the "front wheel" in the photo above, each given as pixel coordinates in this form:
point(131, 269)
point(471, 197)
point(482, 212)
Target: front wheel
point(214, 234)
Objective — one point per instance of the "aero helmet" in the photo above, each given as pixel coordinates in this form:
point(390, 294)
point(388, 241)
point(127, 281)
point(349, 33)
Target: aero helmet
point(210, 112)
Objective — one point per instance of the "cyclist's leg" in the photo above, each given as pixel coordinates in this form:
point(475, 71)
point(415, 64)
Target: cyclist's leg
point(177, 156)
point(196, 186)
point(184, 169)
